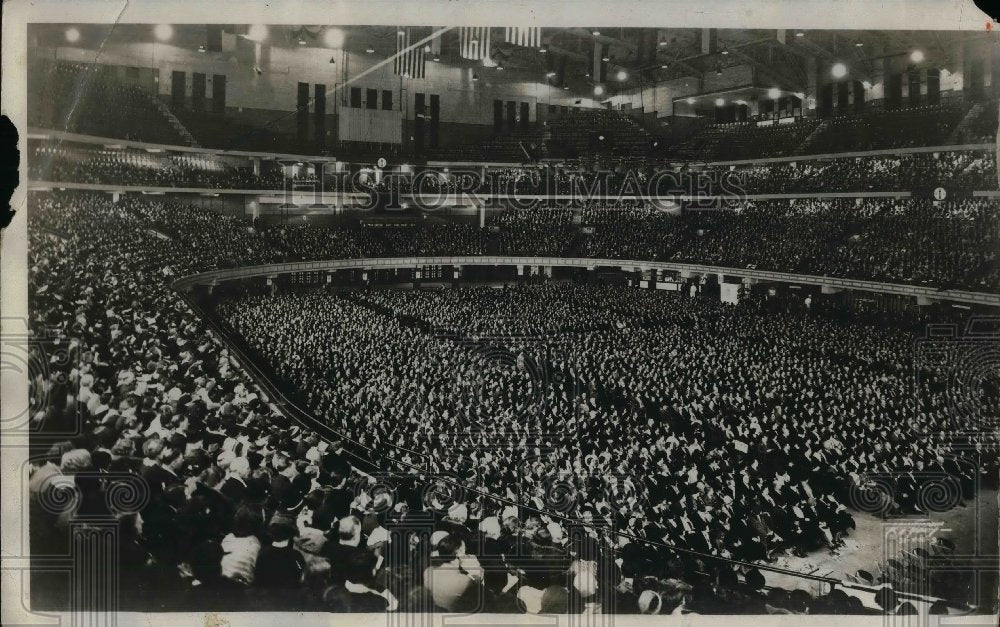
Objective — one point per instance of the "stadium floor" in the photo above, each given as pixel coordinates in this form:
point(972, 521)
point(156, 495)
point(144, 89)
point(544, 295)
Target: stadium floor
point(863, 548)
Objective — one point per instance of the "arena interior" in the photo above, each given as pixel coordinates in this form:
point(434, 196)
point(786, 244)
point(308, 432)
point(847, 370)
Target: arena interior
point(516, 319)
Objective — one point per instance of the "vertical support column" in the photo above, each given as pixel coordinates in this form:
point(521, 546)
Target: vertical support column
point(482, 215)
point(115, 196)
point(94, 585)
point(256, 165)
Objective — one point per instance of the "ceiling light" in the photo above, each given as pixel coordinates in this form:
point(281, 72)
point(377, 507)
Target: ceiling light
point(600, 137)
point(800, 34)
point(690, 100)
point(163, 32)
point(72, 35)
point(724, 51)
point(302, 41)
point(596, 33)
point(201, 48)
point(839, 70)
point(598, 90)
point(370, 50)
point(859, 44)
point(916, 56)
point(773, 93)
point(544, 48)
point(400, 31)
point(622, 75)
point(257, 32)
point(663, 43)
point(333, 37)
point(437, 57)
point(550, 74)
point(719, 102)
point(664, 66)
point(566, 87)
point(475, 76)
point(605, 58)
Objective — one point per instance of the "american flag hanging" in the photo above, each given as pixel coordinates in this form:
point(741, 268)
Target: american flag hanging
point(474, 42)
point(600, 65)
point(408, 62)
point(527, 36)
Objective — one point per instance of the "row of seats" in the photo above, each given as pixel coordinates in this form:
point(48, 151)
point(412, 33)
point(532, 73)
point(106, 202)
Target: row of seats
point(91, 100)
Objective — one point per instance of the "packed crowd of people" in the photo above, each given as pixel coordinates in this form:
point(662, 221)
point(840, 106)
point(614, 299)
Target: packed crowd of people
point(611, 388)
point(244, 509)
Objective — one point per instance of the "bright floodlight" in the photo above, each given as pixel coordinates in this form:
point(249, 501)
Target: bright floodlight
point(257, 32)
point(333, 38)
point(598, 90)
point(690, 101)
point(916, 56)
point(773, 93)
point(622, 75)
point(839, 70)
point(72, 35)
point(163, 32)
point(719, 102)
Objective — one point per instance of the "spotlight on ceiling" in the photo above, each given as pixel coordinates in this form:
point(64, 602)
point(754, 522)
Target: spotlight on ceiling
point(163, 32)
point(596, 33)
point(773, 93)
point(598, 90)
point(725, 52)
point(690, 101)
point(719, 102)
point(605, 58)
point(72, 35)
point(859, 44)
point(839, 70)
point(566, 87)
point(622, 75)
point(799, 34)
point(333, 38)
point(302, 41)
point(257, 32)
point(664, 66)
point(370, 50)
point(917, 56)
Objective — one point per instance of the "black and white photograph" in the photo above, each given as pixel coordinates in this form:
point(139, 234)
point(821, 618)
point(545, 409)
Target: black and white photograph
point(424, 315)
